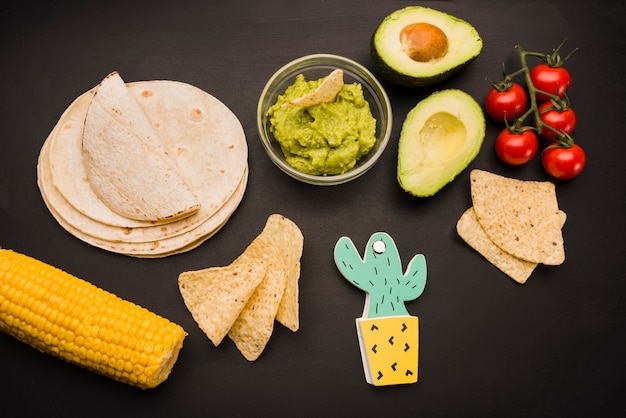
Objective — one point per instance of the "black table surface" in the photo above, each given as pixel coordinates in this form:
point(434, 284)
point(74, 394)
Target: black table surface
point(488, 347)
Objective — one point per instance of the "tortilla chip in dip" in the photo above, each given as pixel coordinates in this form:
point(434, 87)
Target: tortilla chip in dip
point(325, 92)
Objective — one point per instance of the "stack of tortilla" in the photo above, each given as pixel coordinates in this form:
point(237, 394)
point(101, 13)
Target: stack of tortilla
point(515, 224)
point(146, 169)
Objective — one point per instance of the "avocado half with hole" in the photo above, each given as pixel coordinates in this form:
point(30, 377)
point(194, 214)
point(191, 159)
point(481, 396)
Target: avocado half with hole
point(439, 138)
point(417, 46)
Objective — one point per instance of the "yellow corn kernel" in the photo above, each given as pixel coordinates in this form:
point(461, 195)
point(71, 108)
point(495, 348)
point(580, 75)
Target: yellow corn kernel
point(72, 319)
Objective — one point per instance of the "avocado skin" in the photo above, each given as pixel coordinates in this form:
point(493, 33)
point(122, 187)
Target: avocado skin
point(397, 77)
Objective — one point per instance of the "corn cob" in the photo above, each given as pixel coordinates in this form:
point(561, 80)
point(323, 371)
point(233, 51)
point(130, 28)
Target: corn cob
point(74, 320)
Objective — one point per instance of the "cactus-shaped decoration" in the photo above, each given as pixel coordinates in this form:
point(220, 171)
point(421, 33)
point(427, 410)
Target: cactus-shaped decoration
point(388, 334)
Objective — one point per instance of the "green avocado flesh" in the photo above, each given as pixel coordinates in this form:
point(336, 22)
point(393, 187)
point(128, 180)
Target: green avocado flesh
point(391, 54)
point(439, 138)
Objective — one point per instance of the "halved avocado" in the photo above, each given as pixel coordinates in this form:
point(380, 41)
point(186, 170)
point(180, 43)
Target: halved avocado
point(439, 138)
point(417, 46)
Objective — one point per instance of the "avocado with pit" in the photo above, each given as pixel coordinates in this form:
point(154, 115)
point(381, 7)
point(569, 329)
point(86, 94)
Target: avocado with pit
point(440, 137)
point(417, 46)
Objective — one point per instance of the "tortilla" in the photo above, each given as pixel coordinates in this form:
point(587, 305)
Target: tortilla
point(288, 237)
point(521, 217)
point(216, 296)
point(209, 147)
point(253, 329)
point(127, 166)
point(325, 92)
point(68, 173)
point(157, 242)
point(68, 176)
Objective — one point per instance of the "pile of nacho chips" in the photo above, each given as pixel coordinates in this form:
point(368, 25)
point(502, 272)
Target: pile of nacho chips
point(243, 299)
point(146, 169)
point(514, 224)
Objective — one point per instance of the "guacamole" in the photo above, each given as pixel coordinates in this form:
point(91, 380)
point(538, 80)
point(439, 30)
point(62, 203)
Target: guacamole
point(326, 138)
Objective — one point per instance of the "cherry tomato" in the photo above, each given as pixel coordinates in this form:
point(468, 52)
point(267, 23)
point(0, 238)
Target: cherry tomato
point(516, 148)
point(563, 120)
point(553, 80)
point(506, 103)
point(563, 162)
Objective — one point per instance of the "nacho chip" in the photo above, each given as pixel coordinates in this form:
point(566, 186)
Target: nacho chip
point(217, 295)
point(289, 239)
point(521, 217)
point(253, 329)
point(325, 92)
point(472, 233)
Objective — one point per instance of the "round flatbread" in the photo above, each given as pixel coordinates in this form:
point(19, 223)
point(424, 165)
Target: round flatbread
point(159, 246)
point(128, 166)
point(207, 144)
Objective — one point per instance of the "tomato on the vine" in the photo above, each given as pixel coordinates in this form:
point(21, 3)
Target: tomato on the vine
point(563, 119)
point(552, 80)
point(563, 162)
point(516, 147)
point(506, 103)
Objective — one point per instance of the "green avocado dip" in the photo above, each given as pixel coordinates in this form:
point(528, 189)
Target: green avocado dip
point(325, 138)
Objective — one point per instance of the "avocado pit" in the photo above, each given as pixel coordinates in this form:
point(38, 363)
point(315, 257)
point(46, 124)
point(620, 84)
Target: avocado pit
point(439, 138)
point(423, 42)
point(418, 46)
point(442, 137)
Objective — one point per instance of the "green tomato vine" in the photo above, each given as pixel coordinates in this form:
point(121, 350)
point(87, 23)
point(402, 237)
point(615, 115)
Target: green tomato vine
point(554, 60)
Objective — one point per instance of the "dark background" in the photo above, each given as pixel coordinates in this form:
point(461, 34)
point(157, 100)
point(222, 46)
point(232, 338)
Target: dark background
point(489, 347)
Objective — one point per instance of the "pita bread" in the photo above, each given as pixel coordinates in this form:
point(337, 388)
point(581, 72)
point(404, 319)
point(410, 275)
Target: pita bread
point(215, 296)
point(521, 217)
point(127, 166)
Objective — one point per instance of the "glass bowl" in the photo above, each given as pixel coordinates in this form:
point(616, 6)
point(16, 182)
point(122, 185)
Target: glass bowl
point(314, 67)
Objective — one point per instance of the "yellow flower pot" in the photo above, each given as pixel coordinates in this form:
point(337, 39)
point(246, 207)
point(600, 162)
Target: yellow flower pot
point(389, 349)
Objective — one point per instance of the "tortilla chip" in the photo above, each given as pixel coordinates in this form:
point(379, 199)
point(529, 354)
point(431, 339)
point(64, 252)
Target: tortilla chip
point(254, 326)
point(325, 92)
point(521, 217)
point(289, 239)
point(217, 295)
point(472, 233)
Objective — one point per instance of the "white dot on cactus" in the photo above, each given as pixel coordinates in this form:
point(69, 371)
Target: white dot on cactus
point(379, 247)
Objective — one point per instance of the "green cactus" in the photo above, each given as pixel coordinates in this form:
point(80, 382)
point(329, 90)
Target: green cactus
point(379, 274)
